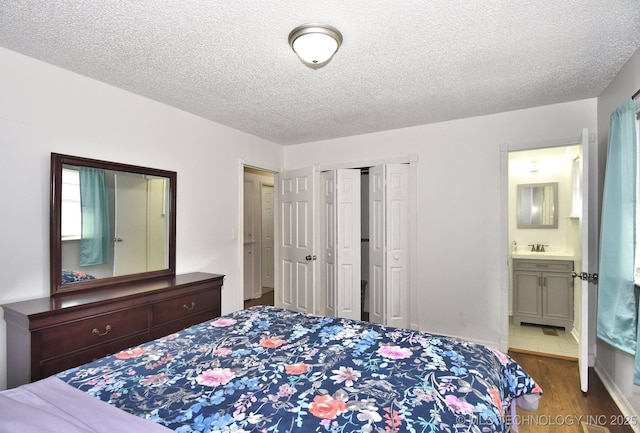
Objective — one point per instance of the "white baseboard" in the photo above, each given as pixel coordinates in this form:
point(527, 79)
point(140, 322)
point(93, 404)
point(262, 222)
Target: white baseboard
point(618, 397)
point(574, 334)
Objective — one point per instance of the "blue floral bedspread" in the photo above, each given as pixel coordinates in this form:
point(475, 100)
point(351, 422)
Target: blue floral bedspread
point(271, 370)
point(75, 276)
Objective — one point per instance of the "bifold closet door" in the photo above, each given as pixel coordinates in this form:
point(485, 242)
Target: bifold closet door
point(341, 255)
point(389, 244)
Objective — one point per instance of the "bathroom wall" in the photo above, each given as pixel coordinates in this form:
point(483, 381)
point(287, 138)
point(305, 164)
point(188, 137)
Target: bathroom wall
point(551, 165)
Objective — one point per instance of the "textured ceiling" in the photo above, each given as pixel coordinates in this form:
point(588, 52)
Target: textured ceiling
point(402, 62)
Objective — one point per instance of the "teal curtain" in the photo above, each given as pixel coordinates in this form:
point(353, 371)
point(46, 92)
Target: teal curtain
point(617, 306)
point(95, 241)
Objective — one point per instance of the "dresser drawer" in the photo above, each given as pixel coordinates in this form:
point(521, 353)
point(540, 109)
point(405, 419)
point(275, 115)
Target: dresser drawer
point(82, 357)
point(48, 335)
point(92, 331)
point(179, 325)
point(184, 306)
point(543, 265)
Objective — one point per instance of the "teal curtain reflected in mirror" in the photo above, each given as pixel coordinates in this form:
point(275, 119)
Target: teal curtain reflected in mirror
point(617, 305)
point(96, 238)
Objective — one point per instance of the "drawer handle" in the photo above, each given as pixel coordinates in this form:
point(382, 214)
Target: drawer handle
point(187, 307)
point(100, 334)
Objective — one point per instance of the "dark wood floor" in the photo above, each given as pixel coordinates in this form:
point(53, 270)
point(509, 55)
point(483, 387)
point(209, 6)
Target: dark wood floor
point(563, 406)
point(266, 299)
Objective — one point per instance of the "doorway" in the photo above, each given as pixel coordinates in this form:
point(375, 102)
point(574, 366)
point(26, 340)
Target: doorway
point(585, 259)
point(258, 237)
point(542, 299)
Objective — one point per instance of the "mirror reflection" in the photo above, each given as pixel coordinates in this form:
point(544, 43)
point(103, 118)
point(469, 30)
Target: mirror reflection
point(115, 223)
point(537, 205)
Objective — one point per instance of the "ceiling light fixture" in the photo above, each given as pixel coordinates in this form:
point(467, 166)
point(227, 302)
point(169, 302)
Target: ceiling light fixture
point(315, 44)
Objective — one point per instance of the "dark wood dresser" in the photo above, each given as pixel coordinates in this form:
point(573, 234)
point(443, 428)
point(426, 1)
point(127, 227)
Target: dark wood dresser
point(49, 335)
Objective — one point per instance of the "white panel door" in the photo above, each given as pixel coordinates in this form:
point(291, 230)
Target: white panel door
point(585, 264)
point(389, 244)
point(251, 257)
point(157, 230)
point(267, 244)
point(377, 256)
point(397, 244)
point(328, 276)
point(295, 252)
point(348, 213)
point(130, 237)
point(341, 243)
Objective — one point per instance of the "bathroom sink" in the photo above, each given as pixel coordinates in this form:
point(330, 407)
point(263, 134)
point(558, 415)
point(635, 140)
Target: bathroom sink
point(548, 255)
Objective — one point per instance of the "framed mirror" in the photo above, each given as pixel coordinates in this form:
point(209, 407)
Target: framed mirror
point(537, 206)
point(110, 223)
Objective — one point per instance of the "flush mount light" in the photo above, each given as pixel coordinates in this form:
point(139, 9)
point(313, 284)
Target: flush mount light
point(315, 44)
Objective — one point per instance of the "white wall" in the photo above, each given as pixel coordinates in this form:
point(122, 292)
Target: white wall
point(615, 366)
point(45, 109)
point(459, 213)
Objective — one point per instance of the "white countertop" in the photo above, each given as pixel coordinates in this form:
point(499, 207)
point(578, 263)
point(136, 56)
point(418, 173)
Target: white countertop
point(549, 255)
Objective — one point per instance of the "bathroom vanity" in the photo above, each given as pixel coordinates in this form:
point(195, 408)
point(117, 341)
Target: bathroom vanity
point(543, 291)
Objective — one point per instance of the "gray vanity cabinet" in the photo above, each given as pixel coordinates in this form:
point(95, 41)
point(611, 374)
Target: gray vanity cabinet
point(543, 292)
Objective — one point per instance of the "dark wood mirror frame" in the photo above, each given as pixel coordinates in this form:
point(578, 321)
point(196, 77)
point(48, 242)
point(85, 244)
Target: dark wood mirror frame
point(57, 163)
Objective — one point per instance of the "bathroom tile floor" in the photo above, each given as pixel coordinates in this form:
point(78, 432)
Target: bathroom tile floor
point(531, 338)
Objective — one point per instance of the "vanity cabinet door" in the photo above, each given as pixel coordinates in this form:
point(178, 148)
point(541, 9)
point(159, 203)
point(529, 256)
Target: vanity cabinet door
point(543, 292)
point(527, 296)
point(557, 295)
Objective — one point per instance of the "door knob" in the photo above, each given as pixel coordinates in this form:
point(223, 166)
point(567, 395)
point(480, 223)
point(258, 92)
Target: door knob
point(585, 276)
point(310, 257)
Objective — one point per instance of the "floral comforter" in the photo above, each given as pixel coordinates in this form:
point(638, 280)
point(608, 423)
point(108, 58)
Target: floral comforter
point(75, 276)
point(271, 370)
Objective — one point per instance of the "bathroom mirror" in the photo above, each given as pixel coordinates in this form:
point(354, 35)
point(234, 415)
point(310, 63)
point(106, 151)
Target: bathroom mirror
point(537, 206)
point(111, 223)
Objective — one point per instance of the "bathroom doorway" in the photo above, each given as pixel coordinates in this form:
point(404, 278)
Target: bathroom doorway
point(543, 298)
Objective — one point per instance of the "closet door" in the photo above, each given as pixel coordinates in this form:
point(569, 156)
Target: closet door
point(295, 252)
point(340, 278)
point(389, 244)
point(377, 256)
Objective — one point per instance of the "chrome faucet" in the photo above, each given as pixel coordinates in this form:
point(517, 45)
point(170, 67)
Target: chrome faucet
point(537, 248)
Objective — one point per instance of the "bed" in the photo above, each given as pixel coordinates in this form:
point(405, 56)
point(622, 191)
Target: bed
point(75, 276)
point(266, 369)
